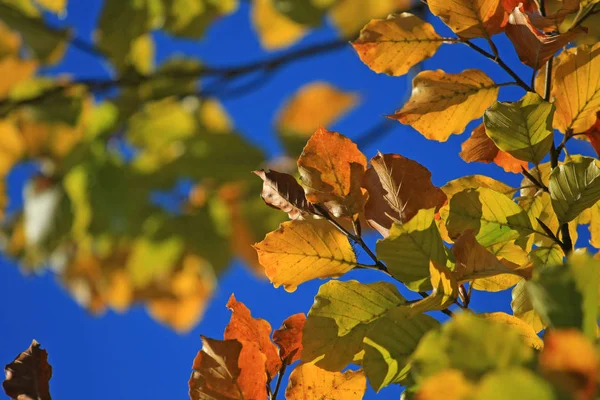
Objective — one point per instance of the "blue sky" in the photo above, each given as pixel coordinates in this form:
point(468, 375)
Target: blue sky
point(121, 356)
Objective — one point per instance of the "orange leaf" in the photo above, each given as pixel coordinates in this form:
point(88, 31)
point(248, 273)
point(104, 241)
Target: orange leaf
point(471, 18)
point(332, 167)
point(479, 147)
point(529, 5)
point(534, 48)
point(283, 192)
point(289, 337)
point(570, 360)
point(593, 134)
point(398, 188)
point(28, 376)
point(552, 21)
point(308, 381)
point(244, 328)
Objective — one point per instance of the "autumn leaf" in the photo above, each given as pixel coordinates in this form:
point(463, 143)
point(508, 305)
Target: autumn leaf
point(243, 328)
point(274, 30)
point(444, 293)
point(332, 168)
point(283, 192)
point(308, 381)
point(28, 376)
point(593, 135)
point(523, 129)
point(289, 338)
point(576, 88)
point(190, 19)
point(398, 188)
point(396, 44)
point(442, 104)
point(533, 47)
point(523, 308)
point(509, 252)
point(451, 382)
point(514, 382)
point(471, 19)
point(55, 6)
point(526, 332)
point(349, 16)
point(303, 250)
point(480, 148)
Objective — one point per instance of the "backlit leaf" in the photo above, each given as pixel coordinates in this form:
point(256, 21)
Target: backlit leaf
point(28, 376)
point(516, 382)
point(523, 129)
point(349, 16)
point(289, 338)
point(190, 18)
point(309, 381)
point(471, 19)
point(507, 251)
point(523, 308)
point(303, 250)
point(398, 188)
point(283, 192)
point(396, 44)
point(56, 6)
point(444, 293)
point(410, 247)
point(331, 169)
point(527, 333)
point(442, 104)
point(274, 30)
point(450, 383)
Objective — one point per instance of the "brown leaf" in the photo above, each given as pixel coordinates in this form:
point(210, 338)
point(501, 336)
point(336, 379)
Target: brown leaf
point(28, 376)
point(244, 328)
point(283, 192)
point(398, 188)
point(332, 167)
point(471, 18)
point(289, 337)
point(533, 47)
point(480, 148)
point(593, 135)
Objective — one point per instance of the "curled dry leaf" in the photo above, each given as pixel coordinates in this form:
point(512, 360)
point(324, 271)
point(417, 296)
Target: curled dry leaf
point(471, 18)
point(28, 376)
point(289, 338)
point(442, 104)
point(480, 148)
point(244, 328)
point(331, 169)
point(533, 47)
point(283, 192)
point(398, 188)
point(396, 44)
point(311, 382)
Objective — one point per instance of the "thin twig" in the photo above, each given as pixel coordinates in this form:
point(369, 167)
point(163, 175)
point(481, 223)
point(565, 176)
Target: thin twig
point(534, 180)
point(279, 379)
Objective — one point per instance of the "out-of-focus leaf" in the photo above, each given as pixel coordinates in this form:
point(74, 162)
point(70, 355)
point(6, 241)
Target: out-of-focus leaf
point(283, 192)
point(310, 381)
point(289, 338)
point(190, 18)
point(480, 148)
point(576, 88)
point(55, 6)
point(244, 328)
point(410, 247)
point(523, 308)
point(305, 12)
point(526, 332)
point(449, 383)
point(523, 129)
point(398, 188)
point(319, 251)
point(442, 104)
point(516, 382)
point(471, 19)
point(274, 29)
point(574, 186)
point(331, 169)
point(28, 376)
point(396, 44)
point(349, 16)
point(341, 317)
point(14, 70)
point(314, 105)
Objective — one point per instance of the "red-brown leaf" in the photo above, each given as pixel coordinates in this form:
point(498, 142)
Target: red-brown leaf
point(398, 188)
point(593, 134)
point(28, 376)
point(289, 337)
point(283, 192)
point(243, 327)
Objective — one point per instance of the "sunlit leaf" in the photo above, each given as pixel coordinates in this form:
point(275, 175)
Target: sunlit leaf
point(283, 192)
point(398, 188)
point(305, 12)
point(506, 251)
point(349, 16)
point(310, 381)
point(527, 333)
point(516, 382)
point(396, 44)
point(28, 376)
point(190, 18)
point(444, 293)
point(56, 6)
point(442, 104)
point(471, 19)
point(303, 250)
point(449, 383)
point(289, 338)
point(274, 30)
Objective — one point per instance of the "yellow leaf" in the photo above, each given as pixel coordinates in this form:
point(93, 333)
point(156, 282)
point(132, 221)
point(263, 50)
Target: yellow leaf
point(214, 117)
point(471, 18)
point(303, 250)
point(14, 70)
point(523, 308)
point(525, 331)
point(308, 381)
point(449, 384)
point(595, 225)
point(445, 290)
point(11, 148)
point(56, 6)
point(511, 253)
point(576, 88)
point(442, 104)
point(396, 44)
point(331, 169)
point(274, 29)
point(349, 16)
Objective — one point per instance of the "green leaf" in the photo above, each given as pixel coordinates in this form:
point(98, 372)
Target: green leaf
point(491, 215)
point(547, 256)
point(190, 18)
point(523, 129)
point(305, 12)
point(410, 247)
point(151, 260)
point(340, 318)
point(523, 308)
point(514, 383)
point(389, 344)
point(574, 186)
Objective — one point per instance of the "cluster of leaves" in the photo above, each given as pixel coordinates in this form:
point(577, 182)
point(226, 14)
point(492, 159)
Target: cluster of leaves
point(89, 212)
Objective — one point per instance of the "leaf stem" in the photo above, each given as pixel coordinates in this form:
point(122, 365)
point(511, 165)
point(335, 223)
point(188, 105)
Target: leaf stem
point(534, 180)
point(279, 379)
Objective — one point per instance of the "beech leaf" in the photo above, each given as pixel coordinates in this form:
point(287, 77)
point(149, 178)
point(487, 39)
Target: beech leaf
point(308, 381)
point(283, 192)
point(289, 338)
point(28, 376)
point(471, 18)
